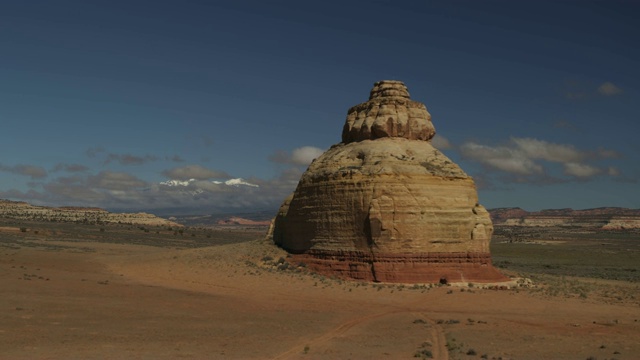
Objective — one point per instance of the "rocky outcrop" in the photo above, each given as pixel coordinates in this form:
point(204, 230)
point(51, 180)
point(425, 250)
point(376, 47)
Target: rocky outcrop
point(388, 113)
point(622, 223)
point(500, 215)
point(385, 205)
point(23, 211)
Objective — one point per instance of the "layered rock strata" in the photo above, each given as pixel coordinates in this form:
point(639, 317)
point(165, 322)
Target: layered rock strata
point(385, 205)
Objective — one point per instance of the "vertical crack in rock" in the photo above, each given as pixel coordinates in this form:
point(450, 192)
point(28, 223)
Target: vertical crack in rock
point(385, 205)
point(373, 230)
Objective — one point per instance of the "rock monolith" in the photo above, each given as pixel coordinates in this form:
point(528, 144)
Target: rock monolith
point(385, 205)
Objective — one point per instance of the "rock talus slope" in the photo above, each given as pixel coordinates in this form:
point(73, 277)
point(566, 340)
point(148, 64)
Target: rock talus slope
point(385, 205)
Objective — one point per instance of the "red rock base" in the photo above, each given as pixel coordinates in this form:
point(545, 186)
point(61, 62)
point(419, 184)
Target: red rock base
point(404, 268)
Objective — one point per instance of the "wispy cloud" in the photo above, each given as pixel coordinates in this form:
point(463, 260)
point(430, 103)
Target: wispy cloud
point(129, 159)
point(507, 159)
point(103, 189)
point(34, 172)
point(581, 170)
point(94, 151)
point(609, 89)
point(564, 124)
point(528, 159)
point(194, 172)
point(111, 180)
point(579, 91)
point(175, 158)
point(69, 168)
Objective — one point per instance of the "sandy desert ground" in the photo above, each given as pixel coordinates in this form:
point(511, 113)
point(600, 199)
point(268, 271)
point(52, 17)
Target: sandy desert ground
point(85, 298)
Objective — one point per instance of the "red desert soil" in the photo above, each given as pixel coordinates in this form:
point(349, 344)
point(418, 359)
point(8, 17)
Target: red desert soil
point(111, 301)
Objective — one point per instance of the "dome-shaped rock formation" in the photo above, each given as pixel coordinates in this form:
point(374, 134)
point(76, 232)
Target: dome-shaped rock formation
point(385, 205)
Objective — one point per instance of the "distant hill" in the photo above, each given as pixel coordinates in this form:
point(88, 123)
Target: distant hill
point(18, 210)
point(257, 218)
point(604, 217)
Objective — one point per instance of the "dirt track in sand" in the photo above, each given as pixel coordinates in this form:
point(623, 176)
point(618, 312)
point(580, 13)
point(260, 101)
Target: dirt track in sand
point(103, 301)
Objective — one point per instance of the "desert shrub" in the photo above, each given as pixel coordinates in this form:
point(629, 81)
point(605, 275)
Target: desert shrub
point(423, 354)
point(471, 352)
point(23, 229)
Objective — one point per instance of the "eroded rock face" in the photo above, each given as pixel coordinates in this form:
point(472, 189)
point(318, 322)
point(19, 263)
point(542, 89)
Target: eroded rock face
point(388, 113)
point(385, 205)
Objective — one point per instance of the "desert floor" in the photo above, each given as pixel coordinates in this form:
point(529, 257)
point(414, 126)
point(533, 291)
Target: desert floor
point(91, 299)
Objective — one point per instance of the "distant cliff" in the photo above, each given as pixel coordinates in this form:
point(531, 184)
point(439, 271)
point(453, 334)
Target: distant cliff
point(18, 210)
point(604, 217)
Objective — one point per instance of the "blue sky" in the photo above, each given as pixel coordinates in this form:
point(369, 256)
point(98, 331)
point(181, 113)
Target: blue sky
point(102, 101)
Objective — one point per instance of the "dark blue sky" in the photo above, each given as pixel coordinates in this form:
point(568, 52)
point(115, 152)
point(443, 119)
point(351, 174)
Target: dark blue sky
point(102, 101)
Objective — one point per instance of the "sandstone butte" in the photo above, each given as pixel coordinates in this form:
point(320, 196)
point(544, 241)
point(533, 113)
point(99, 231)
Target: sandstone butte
point(384, 205)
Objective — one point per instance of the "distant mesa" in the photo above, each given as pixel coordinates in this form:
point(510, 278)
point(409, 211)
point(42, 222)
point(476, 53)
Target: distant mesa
point(605, 218)
point(235, 220)
point(18, 210)
point(385, 205)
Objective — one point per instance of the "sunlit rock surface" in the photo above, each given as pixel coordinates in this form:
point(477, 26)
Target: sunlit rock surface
point(385, 205)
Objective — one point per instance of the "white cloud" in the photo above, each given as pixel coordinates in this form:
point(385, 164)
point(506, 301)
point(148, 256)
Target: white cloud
point(609, 89)
point(502, 158)
point(440, 142)
point(301, 156)
point(305, 155)
point(540, 149)
point(580, 170)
